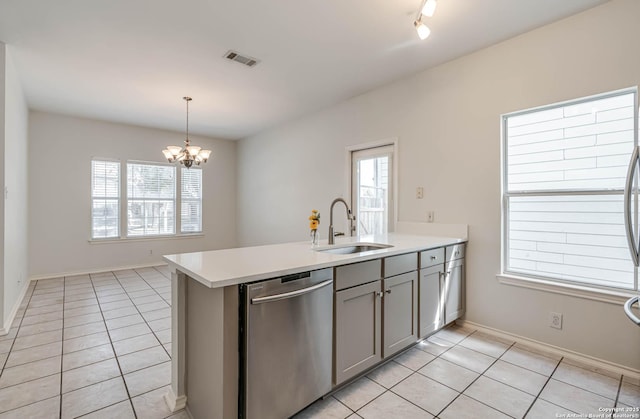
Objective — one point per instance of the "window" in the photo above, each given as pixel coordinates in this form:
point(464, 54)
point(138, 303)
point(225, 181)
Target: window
point(152, 200)
point(191, 200)
point(371, 187)
point(564, 172)
point(105, 199)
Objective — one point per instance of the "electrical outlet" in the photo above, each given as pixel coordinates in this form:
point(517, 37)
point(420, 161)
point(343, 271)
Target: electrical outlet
point(555, 320)
point(419, 192)
point(431, 216)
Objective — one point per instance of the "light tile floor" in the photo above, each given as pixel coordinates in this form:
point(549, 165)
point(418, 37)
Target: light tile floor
point(91, 346)
point(461, 373)
point(98, 346)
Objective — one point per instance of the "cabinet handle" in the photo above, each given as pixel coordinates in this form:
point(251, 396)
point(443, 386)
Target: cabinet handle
point(388, 291)
point(457, 252)
point(433, 258)
point(380, 294)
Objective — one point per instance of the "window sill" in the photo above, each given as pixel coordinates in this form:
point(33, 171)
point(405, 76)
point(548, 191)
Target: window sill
point(573, 290)
point(144, 239)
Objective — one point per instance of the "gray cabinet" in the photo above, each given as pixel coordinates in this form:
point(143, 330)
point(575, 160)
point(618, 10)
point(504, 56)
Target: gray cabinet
point(442, 288)
point(358, 339)
point(383, 306)
point(431, 305)
point(400, 311)
point(357, 320)
point(374, 318)
point(454, 287)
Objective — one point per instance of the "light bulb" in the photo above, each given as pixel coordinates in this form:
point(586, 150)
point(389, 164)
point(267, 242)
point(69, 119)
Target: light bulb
point(423, 30)
point(193, 150)
point(174, 150)
point(429, 8)
point(204, 154)
point(168, 155)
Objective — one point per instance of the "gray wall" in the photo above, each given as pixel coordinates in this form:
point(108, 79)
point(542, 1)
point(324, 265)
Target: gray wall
point(447, 120)
point(61, 149)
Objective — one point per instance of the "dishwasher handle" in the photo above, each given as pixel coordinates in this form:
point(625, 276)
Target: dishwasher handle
point(627, 310)
point(290, 294)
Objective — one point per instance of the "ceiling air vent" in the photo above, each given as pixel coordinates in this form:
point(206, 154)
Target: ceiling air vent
point(242, 59)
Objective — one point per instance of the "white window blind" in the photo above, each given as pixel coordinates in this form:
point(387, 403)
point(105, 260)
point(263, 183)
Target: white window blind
point(191, 200)
point(565, 169)
point(105, 199)
point(151, 199)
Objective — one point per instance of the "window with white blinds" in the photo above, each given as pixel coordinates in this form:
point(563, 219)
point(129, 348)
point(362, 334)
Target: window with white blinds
point(564, 172)
point(105, 199)
point(191, 200)
point(151, 199)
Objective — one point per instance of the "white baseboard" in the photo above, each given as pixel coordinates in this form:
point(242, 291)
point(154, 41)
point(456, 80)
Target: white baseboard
point(94, 271)
point(7, 323)
point(545, 347)
point(174, 402)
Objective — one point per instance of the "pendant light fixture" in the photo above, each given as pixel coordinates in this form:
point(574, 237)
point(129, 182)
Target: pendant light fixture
point(190, 154)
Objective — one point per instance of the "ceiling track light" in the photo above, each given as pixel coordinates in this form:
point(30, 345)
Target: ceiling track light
point(427, 8)
point(422, 29)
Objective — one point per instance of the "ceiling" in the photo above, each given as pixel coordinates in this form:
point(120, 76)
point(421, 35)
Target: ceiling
point(133, 61)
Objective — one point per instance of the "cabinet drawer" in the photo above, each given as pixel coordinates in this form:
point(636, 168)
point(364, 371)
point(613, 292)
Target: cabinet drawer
point(348, 276)
point(431, 257)
point(455, 252)
point(396, 265)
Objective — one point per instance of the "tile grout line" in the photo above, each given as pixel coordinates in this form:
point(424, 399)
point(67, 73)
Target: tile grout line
point(543, 387)
point(141, 315)
point(143, 318)
point(126, 387)
point(615, 403)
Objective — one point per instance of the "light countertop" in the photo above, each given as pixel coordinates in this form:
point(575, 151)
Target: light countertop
point(221, 268)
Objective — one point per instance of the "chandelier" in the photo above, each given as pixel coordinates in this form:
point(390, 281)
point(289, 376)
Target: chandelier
point(190, 154)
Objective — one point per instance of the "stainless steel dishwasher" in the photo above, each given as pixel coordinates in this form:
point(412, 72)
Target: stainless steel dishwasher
point(286, 330)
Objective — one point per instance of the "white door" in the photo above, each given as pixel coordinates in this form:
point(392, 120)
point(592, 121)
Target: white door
point(371, 189)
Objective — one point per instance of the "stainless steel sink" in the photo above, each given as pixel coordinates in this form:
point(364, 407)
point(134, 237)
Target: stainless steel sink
point(349, 248)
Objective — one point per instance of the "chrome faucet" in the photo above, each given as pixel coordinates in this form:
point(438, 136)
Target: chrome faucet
point(350, 217)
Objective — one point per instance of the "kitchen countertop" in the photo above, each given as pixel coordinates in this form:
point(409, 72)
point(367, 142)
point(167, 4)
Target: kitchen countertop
point(221, 268)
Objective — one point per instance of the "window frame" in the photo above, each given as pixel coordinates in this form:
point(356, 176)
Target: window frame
point(123, 203)
point(562, 286)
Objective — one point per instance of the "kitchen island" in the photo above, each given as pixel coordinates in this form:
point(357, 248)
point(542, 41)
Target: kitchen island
point(205, 309)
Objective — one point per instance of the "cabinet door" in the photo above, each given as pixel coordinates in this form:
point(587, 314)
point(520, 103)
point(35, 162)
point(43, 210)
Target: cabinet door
point(454, 290)
point(400, 312)
point(358, 330)
point(431, 301)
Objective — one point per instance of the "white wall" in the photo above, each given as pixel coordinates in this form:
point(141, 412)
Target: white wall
point(447, 120)
point(16, 165)
point(61, 149)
